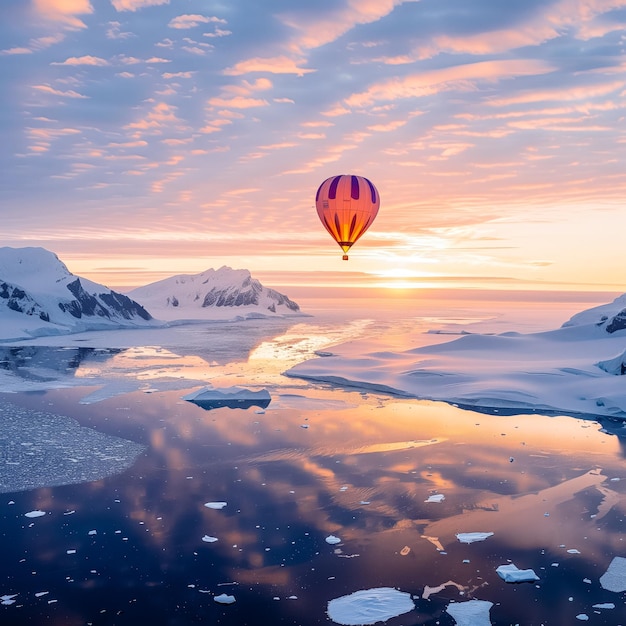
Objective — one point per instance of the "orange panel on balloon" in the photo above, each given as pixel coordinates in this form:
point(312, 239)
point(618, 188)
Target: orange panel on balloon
point(347, 205)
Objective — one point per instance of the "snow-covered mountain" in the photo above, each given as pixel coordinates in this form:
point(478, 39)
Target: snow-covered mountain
point(210, 294)
point(611, 316)
point(40, 296)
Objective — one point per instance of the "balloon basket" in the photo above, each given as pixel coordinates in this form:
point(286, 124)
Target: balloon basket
point(344, 257)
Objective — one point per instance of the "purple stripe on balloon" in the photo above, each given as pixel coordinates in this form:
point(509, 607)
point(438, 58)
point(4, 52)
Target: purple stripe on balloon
point(317, 195)
point(354, 188)
point(352, 225)
point(373, 190)
point(332, 190)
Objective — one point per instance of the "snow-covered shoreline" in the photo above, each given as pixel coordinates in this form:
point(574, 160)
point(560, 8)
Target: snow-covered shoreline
point(576, 369)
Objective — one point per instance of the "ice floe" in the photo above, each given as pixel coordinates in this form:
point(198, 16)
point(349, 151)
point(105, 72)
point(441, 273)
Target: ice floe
point(215, 505)
point(209, 539)
point(614, 579)
point(332, 540)
point(472, 537)
point(224, 598)
point(437, 497)
point(369, 606)
point(36, 513)
point(470, 613)
point(512, 574)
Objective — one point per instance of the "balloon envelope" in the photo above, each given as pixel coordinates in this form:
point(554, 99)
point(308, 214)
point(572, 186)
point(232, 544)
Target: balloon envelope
point(347, 205)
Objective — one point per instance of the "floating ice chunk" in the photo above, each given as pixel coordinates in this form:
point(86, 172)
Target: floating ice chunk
point(512, 574)
point(224, 598)
point(34, 513)
point(614, 579)
point(71, 551)
point(209, 539)
point(583, 617)
point(332, 540)
point(472, 537)
point(215, 505)
point(8, 599)
point(573, 551)
point(231, 397)
point(438, 497)
point(39, 594)
point(92, 532)
point(604, 605)
point(471, 613)
point(369, 606)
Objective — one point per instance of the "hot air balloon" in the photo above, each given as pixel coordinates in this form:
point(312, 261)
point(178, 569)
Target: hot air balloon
point(347, 205)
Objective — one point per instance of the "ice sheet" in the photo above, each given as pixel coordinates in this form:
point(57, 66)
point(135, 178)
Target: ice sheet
point(554, 371)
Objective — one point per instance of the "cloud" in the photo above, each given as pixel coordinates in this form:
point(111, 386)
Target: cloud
point(436, 81)
point(559, 94)
point(389, 126)
point(134, 5)
point(115, 31)
point(271, 65)
point(42, 138)
point(161, 116)
point(177, 74)
point(85, 60)
point(238, 102)
point(218, 32)
point(56, 92)
point(126, 60)
point(16, 50)
point(64, 11)
point(314, 31)
point(191, 21)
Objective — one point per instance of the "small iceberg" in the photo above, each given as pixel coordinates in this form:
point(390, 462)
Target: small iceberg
point(224, 598)
point(512, 574)
point(437, 497)
point(472, 537)
point(332, 540)
point(230, 397)
point(471, 613)
point(369, 606)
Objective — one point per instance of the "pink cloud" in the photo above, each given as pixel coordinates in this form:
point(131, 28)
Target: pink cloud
point(587, 92)
point(389, 126)
point(435, 81)
point(271, 65)
point(16, 50)
point(134, 5)
point(191, 21)
point(313, 32)
point(84, 60)
point(63, 11)
point(238, 102)
point(57, 92)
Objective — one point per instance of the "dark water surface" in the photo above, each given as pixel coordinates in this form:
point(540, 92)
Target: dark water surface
point(318, 461)
point(287, 488)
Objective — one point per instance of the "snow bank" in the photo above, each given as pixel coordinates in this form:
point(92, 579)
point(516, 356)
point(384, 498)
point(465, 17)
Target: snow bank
point(572, 370)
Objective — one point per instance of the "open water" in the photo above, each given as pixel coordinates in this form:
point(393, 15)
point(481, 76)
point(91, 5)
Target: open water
point(394, 480)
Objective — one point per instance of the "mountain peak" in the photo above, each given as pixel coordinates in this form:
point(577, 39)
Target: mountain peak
point(203, 295)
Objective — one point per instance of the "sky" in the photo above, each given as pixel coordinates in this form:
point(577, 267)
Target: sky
point(145, 138)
